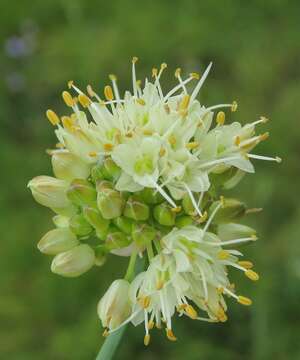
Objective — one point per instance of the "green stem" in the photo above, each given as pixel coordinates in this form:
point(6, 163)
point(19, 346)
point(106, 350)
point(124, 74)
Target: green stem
point(150, 251)
point(130, 270)
point(112, 342)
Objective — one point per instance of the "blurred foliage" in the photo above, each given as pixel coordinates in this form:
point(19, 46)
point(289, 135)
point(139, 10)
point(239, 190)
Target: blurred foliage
point(256, 54)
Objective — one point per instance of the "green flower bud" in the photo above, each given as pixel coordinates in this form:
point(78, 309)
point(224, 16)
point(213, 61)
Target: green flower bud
point(100, 255)
point(231, 210)
point(68, 166)
point(232, 231)
point(61, 221)
point(188, 206)
point(74, 262)
point(49, 191)
point(81, 192)
point(94, 217)
point(110, 203)
point(57, 241)
point(116, 239)
point(124, 224)
point(96, 173)
point(143, 234)
point(79, 225)
point(182, 221)
point(135, 209)
point(150, 196)
point(110, 170)
point(164, 215)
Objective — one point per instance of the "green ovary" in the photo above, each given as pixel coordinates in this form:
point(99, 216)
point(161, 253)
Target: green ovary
point(144, 165)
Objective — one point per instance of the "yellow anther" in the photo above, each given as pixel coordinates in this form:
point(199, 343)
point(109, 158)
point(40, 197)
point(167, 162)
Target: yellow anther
point(93, 154)
point(163, 66)
point(203, 218)
point(52, 117)
point(147, 132)
point(138, 83)
point(192, 145)
point(105, 333)
point(195, 75)
point(59, 145)
point(141, 101)
point(70, 84)
point(162, 151)
point(232, 286)
point(278, 159)
point(112, 77)
point(84, 100)
point(150, 325)
point(221, 315)
point(134, 59)
point(177, 72)
point(223, 255)
point(244, 300)
point(220, 118)
point(172, 140)
point(254, 237)
point(252, 275)
point(154, 72)
point(181, 307)
point(67, 122)
point(158, 326)
point(90, 91)
point(246, 264)
point(67, 97)
point(220, 290)
point(147, 340)
point(191, 312)
point(170, 335)
point(234, 106)
point(184, 103)
point(176, 209)
point(144, 302)
point(129, 134)
point(237, 141)
point(108, 93)
point(264, 136)
point(167, 108)
point(108, 147)
point(74, 117)
point(264, 119)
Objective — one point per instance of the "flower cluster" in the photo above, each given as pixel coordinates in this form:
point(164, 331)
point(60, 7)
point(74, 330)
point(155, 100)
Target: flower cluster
point(144, 176)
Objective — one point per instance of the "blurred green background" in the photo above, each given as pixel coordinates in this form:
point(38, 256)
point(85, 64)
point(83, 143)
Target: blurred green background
point(256, 53)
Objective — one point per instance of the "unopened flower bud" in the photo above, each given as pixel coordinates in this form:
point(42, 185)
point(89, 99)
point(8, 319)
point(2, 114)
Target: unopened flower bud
point(61, 221)
point(56, 241)
point(110, 170)
point(115, 307)
point(188, 206)
point(150, 196)
point(135, 209)
point(94, 217)
point(100, 255)
point(116, 239)
point(68, 166)
point(234, 231)
point(182, 221)
point(49, 191)
point(96, 173)
point(110, 203)
point(74, 262)
point(81, 192)
point(231, 210)
point(143, 234)
point(79, 225)
point(124, 224)
point(164, 215)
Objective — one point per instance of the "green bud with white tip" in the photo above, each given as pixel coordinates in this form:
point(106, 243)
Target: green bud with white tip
point(79, 225)
point(94, 217)
point(182, 221)
point(110, 170)
point(68, 166)
point(232, 231)
point(74, 262)
point(56, 241)
point(81, 192)
point(150, 196)
point(136, 210)
point(164, 215)
point(49, 191)
point(143, 234)
point(230, 210)
point(116, 239)
point(124, 224)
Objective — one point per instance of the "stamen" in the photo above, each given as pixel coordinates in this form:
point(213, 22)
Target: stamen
point(184, 104)
point(141, 101)
point(108, 93)
point(52, 117)
point(191, 312)
point(244, 300)
point(235, 241)
point(84, 100)
point(108, 147)
point(223, 255)
point(246, 264)
point(192, 145)
point(162, 151)
point(252, 275)
point(170, 335)
point(67, 97)
point(70, 84)
point(176, 209)
point(200, 83)
point(68, 123)
point(267, 158)
point(105, 333)
point(147, 339)
point(221, 315)
point(195, 75)
point(172, 140)
point(193, 200)
point(212, 216)
point(151, 324)
point(220, 118)
point(234, 106)
point(144, 302)
point(134, 60)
